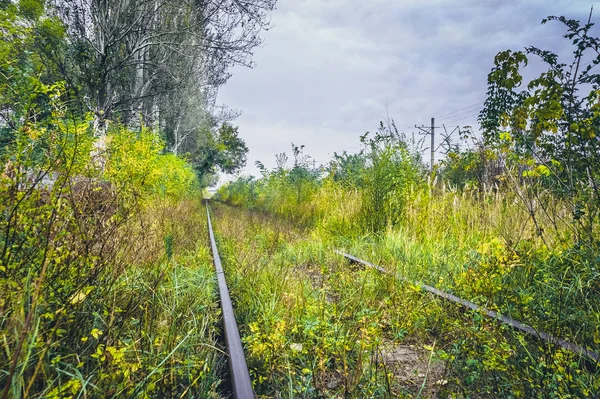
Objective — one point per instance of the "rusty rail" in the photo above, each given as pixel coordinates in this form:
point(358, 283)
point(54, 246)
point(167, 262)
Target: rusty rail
point(490, 313)
point(241, 384)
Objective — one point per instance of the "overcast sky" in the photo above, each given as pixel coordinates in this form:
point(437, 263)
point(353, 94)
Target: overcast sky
point(330, 70)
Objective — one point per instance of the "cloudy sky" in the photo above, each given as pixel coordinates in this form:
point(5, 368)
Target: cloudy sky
point(330, 70)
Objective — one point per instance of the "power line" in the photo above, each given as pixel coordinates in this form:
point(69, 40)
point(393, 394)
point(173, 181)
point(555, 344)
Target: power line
point(410, 127)
point(461, 109)
point(462, 114)
point(460, 119)
point(466, 110)
point(453, 119)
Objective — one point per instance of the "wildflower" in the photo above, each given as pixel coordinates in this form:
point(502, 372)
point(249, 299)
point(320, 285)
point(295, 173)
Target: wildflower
point(296, 347)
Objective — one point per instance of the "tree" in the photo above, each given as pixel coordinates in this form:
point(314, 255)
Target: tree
point(133, 56)
point(222, 151)
point(136, 63)
point(549, 129)
point(348, 168)
point(25, 31)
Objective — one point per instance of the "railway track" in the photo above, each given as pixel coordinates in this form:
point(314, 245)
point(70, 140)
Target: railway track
point(239, 376)
point(579, 350)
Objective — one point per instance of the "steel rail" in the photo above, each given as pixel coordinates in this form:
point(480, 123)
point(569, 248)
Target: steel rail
point(241, 384)
point(579, 350)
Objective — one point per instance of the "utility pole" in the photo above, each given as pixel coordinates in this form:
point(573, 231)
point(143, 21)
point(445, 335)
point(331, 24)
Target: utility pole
point(430, 130)
point(432, 142)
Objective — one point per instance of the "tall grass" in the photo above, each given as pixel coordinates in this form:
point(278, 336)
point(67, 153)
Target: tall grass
point(512, 246)
point(106, 286)
point(312, 326)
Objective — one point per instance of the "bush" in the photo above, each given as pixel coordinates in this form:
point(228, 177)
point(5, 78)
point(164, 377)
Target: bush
point(89, 301)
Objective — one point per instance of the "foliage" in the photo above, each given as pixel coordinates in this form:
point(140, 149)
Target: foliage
point(25, 78)
point(384, 173)
point(550, 126)
point(493, 233)
point(478, 168)
point(136, 163)
point(224, 151)
point(163, 62)
point(88, 303)
point(286, 191)
point(348, 168)
point(311, 326)
point(118, 73)
point(394, 172)
point(106, 288)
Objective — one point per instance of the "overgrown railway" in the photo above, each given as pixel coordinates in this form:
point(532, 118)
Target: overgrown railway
point(579, 350)
point(239, 377)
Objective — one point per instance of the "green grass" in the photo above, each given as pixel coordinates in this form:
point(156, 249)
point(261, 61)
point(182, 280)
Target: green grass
point(141, 324)
point(292, 290)
point(314, 326)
